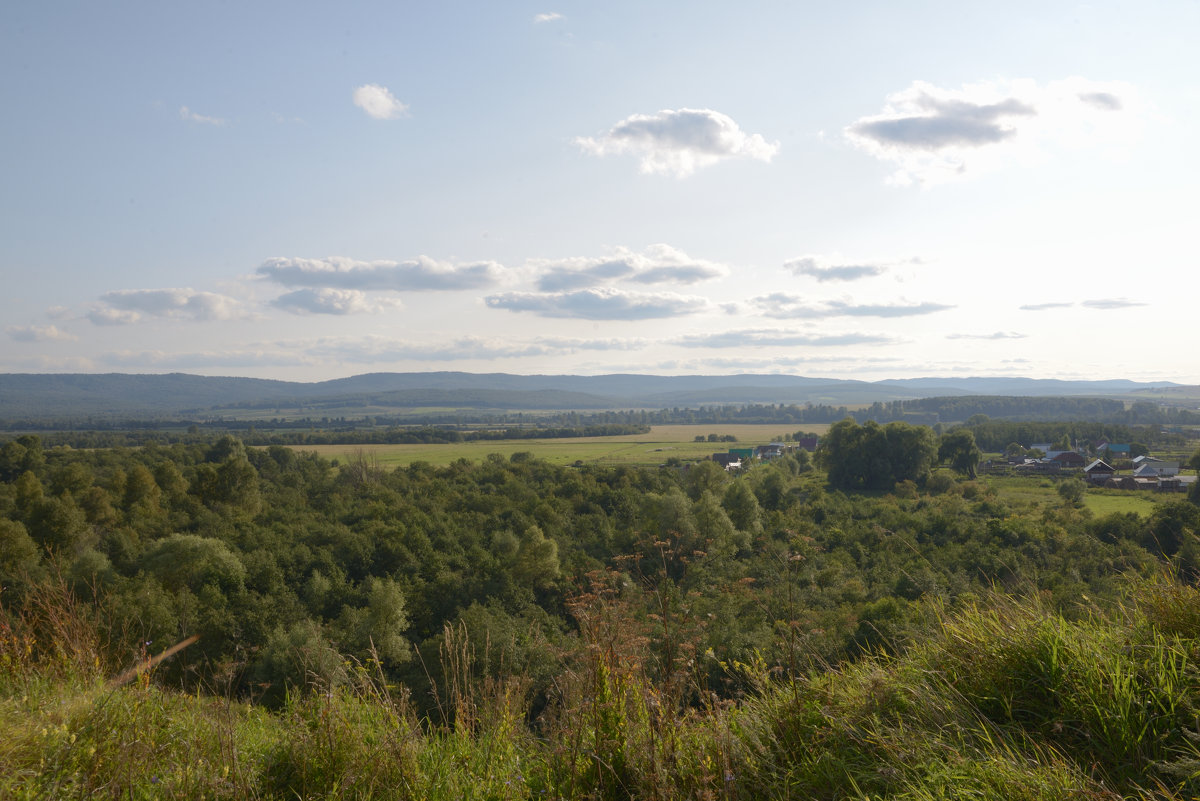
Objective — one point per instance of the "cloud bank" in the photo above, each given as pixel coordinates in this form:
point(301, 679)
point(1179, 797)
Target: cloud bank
point(600, 304)
point(418, 275)
point(820, 268)
point(791, 307)
point(934, 134)
point(126, 306)
point(658, 264)
point(331, 301)
point(997, 335)
point(1045, 306)
point(38, 333)
point(679, 141)
point(1111, 303)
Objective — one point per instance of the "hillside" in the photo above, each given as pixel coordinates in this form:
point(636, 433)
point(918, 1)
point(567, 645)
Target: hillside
point(178, 395)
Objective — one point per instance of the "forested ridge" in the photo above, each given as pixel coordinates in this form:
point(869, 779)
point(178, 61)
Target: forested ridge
point(115, 401)
point(689, 586)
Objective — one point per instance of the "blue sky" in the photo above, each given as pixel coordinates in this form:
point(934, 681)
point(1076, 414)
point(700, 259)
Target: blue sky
point(857, 190)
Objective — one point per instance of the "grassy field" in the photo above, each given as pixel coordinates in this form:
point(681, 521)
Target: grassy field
point(655, 447)
point(1030, 491)
point(1106, 501)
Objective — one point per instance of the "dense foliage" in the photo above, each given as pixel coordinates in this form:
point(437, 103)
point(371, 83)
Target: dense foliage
point(510, 597)
point(281, 562)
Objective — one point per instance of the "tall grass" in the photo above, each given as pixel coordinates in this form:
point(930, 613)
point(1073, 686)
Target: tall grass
point(1005, 700)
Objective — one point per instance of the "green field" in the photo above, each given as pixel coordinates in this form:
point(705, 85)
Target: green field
point(653, 448)
point(1034, 491)
point(1106, 501)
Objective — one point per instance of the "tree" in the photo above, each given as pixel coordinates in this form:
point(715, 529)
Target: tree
point(19, 558)
point(872, 456)
point(192, 561)
point(1194, 492)
point(537, 559)
point(1071, 491)
point(379, 624)
point(959, 449)
point(741, 504)
point(843, 452)
point(706, 476)
point(911, 451)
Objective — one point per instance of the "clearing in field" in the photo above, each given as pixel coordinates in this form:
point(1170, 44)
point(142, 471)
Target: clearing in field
point(1034, 491)
point(652, 448)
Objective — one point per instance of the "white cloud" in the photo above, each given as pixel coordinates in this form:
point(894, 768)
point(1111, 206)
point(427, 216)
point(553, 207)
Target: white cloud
point(38, 333)
point(997, 335)
point(790, 307)
point(600, 304)
point(186, 113)
point(580, 273)
point(1106, 101)
point(547, 17)
point(678, 142)
point(131, 305)
point(378, 102)
point(821, 268)
point(1045, 306)
point(1111, 303)
point(331, 301)
point(658, 264)
point(106, 315)
point(759, 338)
point(420, 274)
point(935, 134)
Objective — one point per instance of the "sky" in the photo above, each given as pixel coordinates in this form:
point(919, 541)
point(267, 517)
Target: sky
point(865, 190)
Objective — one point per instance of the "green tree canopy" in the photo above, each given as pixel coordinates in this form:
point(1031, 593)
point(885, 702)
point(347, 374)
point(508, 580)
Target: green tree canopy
point(872, 456)
point(959, 449)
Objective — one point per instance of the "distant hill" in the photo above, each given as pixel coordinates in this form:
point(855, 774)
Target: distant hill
point(1025, 387)
point(180, 396)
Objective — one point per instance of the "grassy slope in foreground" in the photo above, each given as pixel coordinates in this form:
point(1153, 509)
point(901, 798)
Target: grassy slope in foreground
point(1002, 701)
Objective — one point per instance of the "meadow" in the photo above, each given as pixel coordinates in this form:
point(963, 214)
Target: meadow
point(1042, 492)
point(653, 448)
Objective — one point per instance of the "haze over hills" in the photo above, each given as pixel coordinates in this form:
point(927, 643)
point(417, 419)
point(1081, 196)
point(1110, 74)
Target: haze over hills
point(176, 395)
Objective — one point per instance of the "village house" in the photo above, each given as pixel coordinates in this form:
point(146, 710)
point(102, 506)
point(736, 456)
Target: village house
point(808, 443)
point(1069, 459)
point(772, 451)
point(729, 461)
point(1099, 471)
point(1156, 470)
